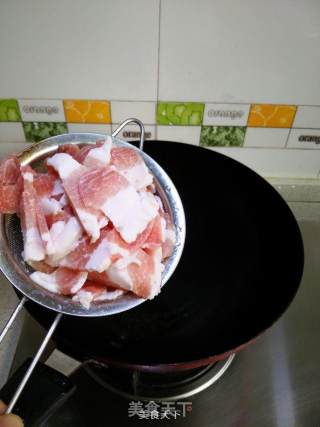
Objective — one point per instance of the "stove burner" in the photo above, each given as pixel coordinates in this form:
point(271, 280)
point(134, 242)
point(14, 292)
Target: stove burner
point(151, 386)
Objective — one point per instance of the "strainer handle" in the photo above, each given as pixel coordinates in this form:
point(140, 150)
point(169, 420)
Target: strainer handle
point(12, 318)
point(33, 363)
point(137, 122)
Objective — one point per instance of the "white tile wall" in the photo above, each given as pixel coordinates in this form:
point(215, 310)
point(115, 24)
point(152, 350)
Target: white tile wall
point(186, 134)
point(304, 138)
point(266, 137)
point(277, 162)
point(88, 127)
point(144, 111)
point(11, 132)
point(13, 147)
point(223, 53)
point(307, 117)
point(85, 49)
point(240, 51)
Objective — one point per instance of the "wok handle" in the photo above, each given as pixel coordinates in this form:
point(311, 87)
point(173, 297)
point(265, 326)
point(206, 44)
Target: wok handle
point(12, 318)
point(137, 122)
point(33, 363)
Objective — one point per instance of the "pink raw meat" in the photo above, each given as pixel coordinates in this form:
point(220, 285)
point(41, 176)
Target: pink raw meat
point(99, 154)
point(106, 190)
point(170, 237)
point(157, 235)
point(40, 225)
point(62, 281)
point(71, 149)
point(130, 164)
point(70, 171)
point(89, 256)
point(142, 275)
point(44, 184)
point(34, 249)
point(96, 292)
point(83, 153)
point(10, 185)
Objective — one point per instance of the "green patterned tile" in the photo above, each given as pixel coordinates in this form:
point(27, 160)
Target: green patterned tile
point(36, 131)
point(180, 113)
point(9, 111)
point(222, 136)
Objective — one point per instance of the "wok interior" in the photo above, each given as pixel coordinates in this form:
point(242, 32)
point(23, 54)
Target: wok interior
point(14, 242)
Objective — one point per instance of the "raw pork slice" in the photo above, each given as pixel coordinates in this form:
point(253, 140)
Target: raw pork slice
point(44, 184)
point(142, 275)
point(62, 281)
point(10, 185)
point(131, 165)
point(170, 237)
point(71, 149)
point(95, 292)
point(70, 171)
point(65, 234)
point(48, 189)
point(34, 249)
point(89, 256)
point(99, 154)
point(107, 190)
point(157, 234)
point(30, 196)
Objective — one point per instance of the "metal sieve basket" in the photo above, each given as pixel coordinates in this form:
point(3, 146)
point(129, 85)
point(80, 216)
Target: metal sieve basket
point(11, 242)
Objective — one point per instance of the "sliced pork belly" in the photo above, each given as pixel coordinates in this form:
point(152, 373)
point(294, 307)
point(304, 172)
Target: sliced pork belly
point(131, 165)
point(63, 215)
point(50, 206)
point(99, 155)
point(89, 256)
point(44, 184)
point(71, 149)
point(119, 248)
point(142, 275)
point(94, 292)
point(30, 192)
point(9, 170)
point(62, 281)
point(10, 185)
point(48, 188)
point(107, 190)
point(157, 234)
point(170, 237)
point(34, 248)
point(10, 196)
point(65, 235)
point(70, 171)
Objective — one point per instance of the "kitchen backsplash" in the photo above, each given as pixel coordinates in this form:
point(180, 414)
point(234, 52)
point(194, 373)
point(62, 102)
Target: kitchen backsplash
point(241, 79)
point(205, 124)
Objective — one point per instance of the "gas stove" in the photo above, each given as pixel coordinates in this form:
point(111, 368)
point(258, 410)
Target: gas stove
point(157, 386)
point(273, 382)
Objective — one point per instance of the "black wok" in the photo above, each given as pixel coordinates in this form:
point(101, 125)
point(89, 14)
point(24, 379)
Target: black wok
point(241, 268)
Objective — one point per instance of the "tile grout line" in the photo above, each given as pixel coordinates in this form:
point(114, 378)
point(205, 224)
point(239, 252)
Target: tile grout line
point(293, 119)
point(287, 140)
point(144, 100)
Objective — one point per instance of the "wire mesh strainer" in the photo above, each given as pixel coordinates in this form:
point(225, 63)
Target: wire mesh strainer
point(17, 271)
